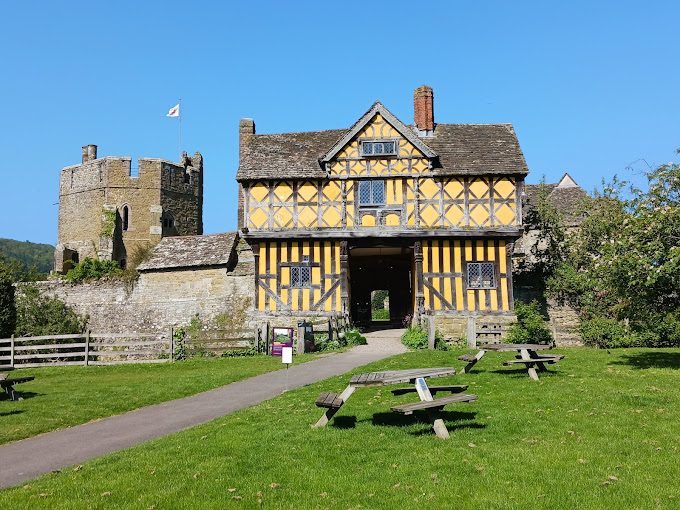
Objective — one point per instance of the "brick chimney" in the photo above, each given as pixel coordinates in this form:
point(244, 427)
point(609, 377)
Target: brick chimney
point(423, 109)
point(89, 153)
point(246, 127)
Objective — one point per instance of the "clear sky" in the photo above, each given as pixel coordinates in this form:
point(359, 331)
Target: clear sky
point(591, 87)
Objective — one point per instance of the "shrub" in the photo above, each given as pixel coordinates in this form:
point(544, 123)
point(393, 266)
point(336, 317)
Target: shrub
point(7, 309)
point(39, 315)
point(604, 332)
point(93, 269)
point(530, 327)
point(380, 315)
point(349, 338)
point(416, 338)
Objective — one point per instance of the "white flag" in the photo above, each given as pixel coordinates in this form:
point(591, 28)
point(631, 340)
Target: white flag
point(174, 111)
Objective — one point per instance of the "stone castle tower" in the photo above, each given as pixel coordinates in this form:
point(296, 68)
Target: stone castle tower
point(106, 212)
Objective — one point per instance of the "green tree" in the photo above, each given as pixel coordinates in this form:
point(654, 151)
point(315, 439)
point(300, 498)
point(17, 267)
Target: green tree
point(621, 268)
point(378, 299)
point(7, 309)
point(38, 314)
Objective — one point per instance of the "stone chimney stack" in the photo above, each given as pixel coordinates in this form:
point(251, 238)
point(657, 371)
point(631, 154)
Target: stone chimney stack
point(423, 109)
point(246, 127)
point(89, 153)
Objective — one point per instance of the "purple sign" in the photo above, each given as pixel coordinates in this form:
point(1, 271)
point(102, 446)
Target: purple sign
point(281, 337)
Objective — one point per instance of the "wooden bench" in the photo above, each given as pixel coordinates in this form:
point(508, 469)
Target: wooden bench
point(329, 400)
point(532, 361)
point(467, 358)
point(8, 385)
point(436, 404)
point(558, 357)
point(433, 389)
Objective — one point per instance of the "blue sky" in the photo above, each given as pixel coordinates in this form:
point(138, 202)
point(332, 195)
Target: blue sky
point(590, 87)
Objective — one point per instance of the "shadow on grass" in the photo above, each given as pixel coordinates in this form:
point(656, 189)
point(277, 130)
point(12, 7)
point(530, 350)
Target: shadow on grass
point(650, 360)
point(452, 420)
point(10, 413)
point(23, 394)
point(345, 422)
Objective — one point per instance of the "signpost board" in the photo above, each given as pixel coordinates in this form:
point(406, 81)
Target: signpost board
point(281, 337)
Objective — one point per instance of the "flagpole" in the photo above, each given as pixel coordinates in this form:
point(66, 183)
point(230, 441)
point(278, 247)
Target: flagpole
point(180, 130)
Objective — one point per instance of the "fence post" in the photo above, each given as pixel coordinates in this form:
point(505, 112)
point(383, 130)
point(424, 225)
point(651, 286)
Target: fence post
point(330, 329)
point(267, 338)
point(472, 332)
point(430, 331)
point(11, 352)
point(257, 337)
point(87, 347)
point(300, 340)
point(172, 344)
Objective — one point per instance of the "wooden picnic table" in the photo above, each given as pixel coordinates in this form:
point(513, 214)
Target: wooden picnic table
point(332, 402)
point(527, 356)
point(8, 384)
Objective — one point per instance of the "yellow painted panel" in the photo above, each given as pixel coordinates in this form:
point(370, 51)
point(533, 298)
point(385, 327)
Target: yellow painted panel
point(294, 293)
point(426, 248)
point(504, 294)
point(316, 276)
point(455, 215)
point(468, 250)
point(285, 276)
point(479, 189)
point(337, 260)
point(419, 166)
point(350, 191)
point(284, 252)
point(471, 300)
point(327, 259)
point(378, 166)
point(501, 256)
point(367, 220)
point(263, 258)
point(284, 296)
point(284, 191)
point(446, 255)
point(272, 260)
point(307, 217)
point(390, 191)
point(328, 303)
point(399, 189)
point(504, 188)
point(258, 192)
point(426, 296)
point(307, 192)
point(350, 215)
point(305, 248)
point(491, 251)
point(260, 298)
point(459, 294)
point(429, 188)
point(429, 216)
point(272, 301)
point(481, 294)
point(409, 190)
point(480, 250)
point(456, 257)
point(454, 188)
point(333, 191)
point(448, 295)
point(282, 217)
point(435, 257)
point(479, 214)
point(317, 251)
point(437, 305)
point(317, 296)
point(494, 299)
point(258, 219)
point(410, 207)
point(506, 215)
point(294, 252)
point(392, 220)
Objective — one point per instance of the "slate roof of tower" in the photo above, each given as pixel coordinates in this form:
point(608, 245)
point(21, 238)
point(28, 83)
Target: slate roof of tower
point(462, 149)
point(565, 199)
point(191, 251)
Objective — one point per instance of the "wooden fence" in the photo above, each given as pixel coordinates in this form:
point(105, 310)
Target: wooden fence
point(218, 341)
point(86, 349)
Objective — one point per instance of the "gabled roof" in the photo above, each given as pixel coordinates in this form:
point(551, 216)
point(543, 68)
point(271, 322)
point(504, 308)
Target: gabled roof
point(374, 110)
point(191, 252)
point(564, 196)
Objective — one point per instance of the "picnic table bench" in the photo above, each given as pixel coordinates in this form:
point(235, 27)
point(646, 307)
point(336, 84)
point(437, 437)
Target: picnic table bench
point(332, 401)
point(527, 356)
point(8, 384)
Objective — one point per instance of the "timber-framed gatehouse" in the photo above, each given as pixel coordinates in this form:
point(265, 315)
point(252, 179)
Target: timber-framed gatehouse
point(428, 212)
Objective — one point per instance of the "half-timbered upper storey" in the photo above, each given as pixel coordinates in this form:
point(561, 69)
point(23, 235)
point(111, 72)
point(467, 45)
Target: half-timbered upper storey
point(380, 177)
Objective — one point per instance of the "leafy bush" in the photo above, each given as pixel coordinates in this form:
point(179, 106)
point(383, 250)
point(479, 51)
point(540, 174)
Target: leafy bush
point(349, 338)
point(530, 327)
point(604, 332)
point(380, 315)
point(416, 338)
point(7, 309)
point(39, 315)
point(93, 269)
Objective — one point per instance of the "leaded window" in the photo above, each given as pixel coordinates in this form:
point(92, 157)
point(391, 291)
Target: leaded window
point(371, 192)
point(481, 275)
point(300, 276)
point(379, 148)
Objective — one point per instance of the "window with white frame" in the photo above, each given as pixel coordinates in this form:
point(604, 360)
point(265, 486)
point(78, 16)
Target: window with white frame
point(481, 275)
point(379, 148)
point(372, 192)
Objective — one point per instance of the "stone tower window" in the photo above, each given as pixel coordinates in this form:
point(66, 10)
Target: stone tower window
point(126, 218)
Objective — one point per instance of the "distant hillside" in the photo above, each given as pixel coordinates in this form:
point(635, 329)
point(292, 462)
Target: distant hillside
point(29, 253)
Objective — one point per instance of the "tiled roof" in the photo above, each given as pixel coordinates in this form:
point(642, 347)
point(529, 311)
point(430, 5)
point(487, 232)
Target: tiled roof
point(191, 251)
point(462, 149)
point(565, 199)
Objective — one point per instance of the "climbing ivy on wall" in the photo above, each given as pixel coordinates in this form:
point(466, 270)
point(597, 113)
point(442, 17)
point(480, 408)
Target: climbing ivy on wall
point(109, 220)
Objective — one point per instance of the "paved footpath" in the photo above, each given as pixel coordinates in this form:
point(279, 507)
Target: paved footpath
point(28, 458)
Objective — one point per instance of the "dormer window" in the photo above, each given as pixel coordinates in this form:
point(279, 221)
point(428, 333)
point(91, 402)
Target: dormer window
point(379, 148)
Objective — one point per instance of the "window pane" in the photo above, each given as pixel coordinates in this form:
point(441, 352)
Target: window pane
point(389, 147)
point(487, 275)
point(473, 276)
point(378, 192)
point(367, 146)
point(305, 277)
point(295, 276)
point(365, 192)
point(377, 148)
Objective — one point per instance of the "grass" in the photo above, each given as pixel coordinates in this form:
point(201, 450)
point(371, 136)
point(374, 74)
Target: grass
point(61, 397)
point(598, 431)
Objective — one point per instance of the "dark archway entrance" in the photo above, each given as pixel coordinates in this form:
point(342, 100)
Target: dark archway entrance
point(380, 268)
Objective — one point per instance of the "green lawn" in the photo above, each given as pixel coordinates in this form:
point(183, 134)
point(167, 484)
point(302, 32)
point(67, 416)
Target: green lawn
point(61, 397)
point(599, 431)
